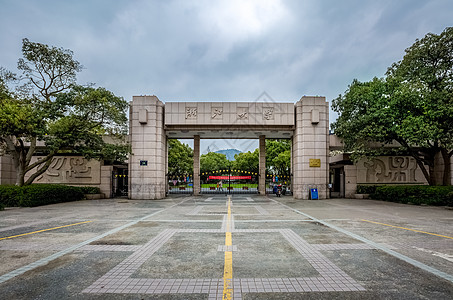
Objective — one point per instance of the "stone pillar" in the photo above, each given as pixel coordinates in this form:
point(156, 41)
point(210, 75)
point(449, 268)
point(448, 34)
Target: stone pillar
point(311, 147)
point(350, 181)
point(106, 181)
point(196, 165)
point(148, 141)
point(262, 166)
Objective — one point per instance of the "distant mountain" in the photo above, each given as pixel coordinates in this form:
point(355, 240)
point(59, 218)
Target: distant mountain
point(229, 153)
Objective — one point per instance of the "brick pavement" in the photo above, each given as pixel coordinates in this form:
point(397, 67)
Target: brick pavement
point(120, 278)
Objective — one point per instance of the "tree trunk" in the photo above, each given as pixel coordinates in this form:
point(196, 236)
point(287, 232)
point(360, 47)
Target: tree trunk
point(20, 168)
point(432, 175)
point(446, 180)
point(423, 169)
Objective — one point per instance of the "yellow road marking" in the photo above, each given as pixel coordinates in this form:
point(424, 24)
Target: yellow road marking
point(228, 268)
point(14, 236)
point(444, 236)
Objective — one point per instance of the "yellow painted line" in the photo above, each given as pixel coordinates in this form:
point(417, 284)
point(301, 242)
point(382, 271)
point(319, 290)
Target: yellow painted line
point(33, 232)
point(444, 236)
point(228, 268)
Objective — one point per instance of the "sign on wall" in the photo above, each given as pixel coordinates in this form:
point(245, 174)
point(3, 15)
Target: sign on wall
point(314, 163)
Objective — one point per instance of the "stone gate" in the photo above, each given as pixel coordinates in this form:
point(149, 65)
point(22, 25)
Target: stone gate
point(152, 123)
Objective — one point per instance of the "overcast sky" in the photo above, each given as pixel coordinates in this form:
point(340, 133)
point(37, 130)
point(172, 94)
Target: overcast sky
point(228, 50)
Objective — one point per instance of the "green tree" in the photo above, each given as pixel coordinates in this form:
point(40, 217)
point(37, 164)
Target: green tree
point(282, 163)
point(180, 158)
point(412, 105)
point(50, 114)
point(247, 161)
point(213, 161)
point(278, 156)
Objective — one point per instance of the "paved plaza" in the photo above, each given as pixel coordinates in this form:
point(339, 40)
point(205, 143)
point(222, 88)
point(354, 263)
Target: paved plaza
point(226, 247)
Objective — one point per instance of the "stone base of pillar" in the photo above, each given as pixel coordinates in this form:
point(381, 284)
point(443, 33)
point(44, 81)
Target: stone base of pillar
point(147, 192)
point(302, 191)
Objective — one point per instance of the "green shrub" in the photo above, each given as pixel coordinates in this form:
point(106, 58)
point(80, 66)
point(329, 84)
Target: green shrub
point(90, 190)
point(366, 189)
point(2, 207)
point(450, 199)
point(10, 195)
point(416, 194)
point(38, 194)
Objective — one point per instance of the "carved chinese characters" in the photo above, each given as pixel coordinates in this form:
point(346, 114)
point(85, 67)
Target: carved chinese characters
point(268, 113)
point(191, 112)
point(243, 113)
point(216, 113)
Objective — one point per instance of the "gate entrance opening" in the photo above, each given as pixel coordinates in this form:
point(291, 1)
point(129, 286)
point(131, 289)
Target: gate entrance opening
point(229, 182)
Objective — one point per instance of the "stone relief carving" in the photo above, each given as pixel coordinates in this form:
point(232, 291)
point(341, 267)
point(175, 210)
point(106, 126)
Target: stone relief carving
point(243, 113)
point(75, 170)
point(268, 113)
point(191, 112)
point(216, 113)
point(79, 168)
point(391, 169)
point(55, 167)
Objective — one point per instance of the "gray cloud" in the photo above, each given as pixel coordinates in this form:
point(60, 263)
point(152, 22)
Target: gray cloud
point(224, 50)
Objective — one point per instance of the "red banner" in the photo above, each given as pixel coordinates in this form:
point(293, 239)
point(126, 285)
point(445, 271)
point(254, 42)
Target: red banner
point(228, 177)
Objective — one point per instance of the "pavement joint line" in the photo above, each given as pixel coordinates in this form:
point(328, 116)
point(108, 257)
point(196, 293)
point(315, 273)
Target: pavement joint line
point(415, 230)
point(400, 256)
point(46, 260)
point(228, 267)
point(43, 230)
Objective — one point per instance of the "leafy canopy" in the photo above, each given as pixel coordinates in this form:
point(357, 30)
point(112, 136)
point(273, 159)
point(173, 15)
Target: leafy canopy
point(412, 105)
point(46, 106)
point(180, 158)
point(212, 161)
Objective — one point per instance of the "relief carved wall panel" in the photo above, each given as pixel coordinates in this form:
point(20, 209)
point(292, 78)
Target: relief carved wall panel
point(389, 169)
point(72, 170)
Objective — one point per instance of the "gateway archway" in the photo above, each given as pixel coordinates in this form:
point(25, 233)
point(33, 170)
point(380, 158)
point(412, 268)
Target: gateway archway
point(152, 123)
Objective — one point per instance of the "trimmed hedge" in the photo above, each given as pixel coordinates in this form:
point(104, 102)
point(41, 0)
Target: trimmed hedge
point(415, 194)
point(38, 194)
point(366, 189)
point(90, 190)
point(10, 195)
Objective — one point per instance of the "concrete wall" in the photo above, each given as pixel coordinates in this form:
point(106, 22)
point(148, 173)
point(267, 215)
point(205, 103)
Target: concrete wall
point(7, 171)
point(149, 143)
point(389, 170)
point(311, 146)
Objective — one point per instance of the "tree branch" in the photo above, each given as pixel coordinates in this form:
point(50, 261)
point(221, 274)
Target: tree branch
point(40, 162)
point(419, 160)
point(31, 150)
point(39, 172)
